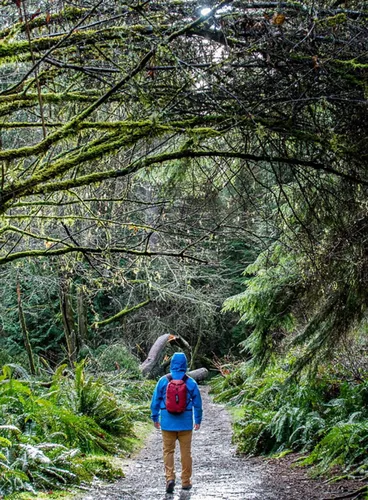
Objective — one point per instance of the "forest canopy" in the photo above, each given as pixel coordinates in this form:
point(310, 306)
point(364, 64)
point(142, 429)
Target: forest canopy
point(139, 139)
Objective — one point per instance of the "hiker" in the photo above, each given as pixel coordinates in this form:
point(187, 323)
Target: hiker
point(175, 399)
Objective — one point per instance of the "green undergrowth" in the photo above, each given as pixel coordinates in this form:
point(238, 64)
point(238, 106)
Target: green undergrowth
point(67, 429)
point(50, 495)
point(323, 415)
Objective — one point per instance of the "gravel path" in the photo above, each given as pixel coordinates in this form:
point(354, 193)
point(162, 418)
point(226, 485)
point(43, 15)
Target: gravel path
point(218, 472)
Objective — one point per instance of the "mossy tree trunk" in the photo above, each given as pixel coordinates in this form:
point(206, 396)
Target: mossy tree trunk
point(82, 317)
point(67, 316)
point(25, 333)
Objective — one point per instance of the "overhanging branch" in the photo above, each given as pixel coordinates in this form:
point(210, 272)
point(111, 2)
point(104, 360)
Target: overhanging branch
point(92, 250)
point(120, 314)
point(176, 155)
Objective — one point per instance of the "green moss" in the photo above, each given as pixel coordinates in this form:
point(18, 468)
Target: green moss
point(69, 13)
point(49, 97)
point(11, 49)
point(332, 21)
point(236, 412)
point(141, 430)
point(8, 109)
point(204, 132)
point(50, 495)
point(341, 67)
point(8, 50)
point(11, 31)
point(120, 314)
point(133, 132)
point(353, 63)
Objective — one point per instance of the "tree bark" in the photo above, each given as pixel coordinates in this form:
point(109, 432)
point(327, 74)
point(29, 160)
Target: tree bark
point(68, 321)
point(23, 325)
point(82, 317)
point(196, 348)
point(151, 366)
point(199, 375)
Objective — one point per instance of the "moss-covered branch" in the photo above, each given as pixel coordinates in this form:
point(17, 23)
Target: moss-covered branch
point(23, 232)
point(17, 49)
point(130, 124)
point(52, 97)
point(66, 14)
point(12, 104)
point(56, 186)
point(120, 314)
point(50, 203)
point(139, 129)
point(72, 126)
point(94, 251)
point(131, 225)
point(94, 151)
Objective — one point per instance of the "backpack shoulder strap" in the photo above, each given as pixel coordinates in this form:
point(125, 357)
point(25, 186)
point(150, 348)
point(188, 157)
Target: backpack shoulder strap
point(169, 377)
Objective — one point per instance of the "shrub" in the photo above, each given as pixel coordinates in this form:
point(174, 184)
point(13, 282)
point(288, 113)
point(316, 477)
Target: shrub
point(116, 357)
point(324, 415)
point(345, 445)
point(45, 427)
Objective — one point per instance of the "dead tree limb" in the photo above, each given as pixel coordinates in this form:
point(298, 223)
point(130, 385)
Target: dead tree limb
point(151, 366)
point(199, 375)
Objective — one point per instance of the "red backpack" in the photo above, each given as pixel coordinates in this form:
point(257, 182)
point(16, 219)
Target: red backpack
point(176, 395)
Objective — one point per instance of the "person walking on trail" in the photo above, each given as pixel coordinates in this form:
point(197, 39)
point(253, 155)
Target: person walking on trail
point(176, 401)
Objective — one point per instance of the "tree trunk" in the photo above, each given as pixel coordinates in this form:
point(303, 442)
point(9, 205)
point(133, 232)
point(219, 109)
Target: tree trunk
point(68, 320)
point(23, 325)
point(82, 317)
point(196, 349)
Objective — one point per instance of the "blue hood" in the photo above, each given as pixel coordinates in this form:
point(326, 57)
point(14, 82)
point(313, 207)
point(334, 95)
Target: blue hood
point(178, 365)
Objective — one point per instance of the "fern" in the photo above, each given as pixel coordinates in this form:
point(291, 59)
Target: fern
point(320, 415)
point(43, 431)
point(345, 444)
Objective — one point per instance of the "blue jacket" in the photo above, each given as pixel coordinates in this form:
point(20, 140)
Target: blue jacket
point(183, 421)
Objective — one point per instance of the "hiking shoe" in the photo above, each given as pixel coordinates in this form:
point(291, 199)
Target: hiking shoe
point(170, 486)
point(186, 487)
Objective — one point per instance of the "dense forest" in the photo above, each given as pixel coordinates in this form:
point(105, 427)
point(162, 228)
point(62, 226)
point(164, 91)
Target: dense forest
point(197, 169)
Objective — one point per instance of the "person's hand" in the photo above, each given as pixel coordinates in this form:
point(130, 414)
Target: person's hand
point(197, 427)
point(157, 425)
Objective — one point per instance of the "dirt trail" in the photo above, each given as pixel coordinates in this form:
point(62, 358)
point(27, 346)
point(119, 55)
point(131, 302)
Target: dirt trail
point(218, 472)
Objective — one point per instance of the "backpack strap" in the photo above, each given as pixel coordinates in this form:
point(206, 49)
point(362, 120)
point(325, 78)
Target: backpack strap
point(169, 377)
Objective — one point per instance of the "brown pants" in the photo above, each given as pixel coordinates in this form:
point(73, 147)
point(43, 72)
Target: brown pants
point(185, 441)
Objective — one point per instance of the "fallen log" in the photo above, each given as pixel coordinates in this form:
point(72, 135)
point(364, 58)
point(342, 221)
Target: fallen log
point(199, 375)
point(151, 366)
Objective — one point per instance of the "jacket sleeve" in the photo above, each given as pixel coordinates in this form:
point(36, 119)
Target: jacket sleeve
point(197, 404)
point(156, 402)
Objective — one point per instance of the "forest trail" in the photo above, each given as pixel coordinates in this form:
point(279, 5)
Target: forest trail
point(217, 472)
